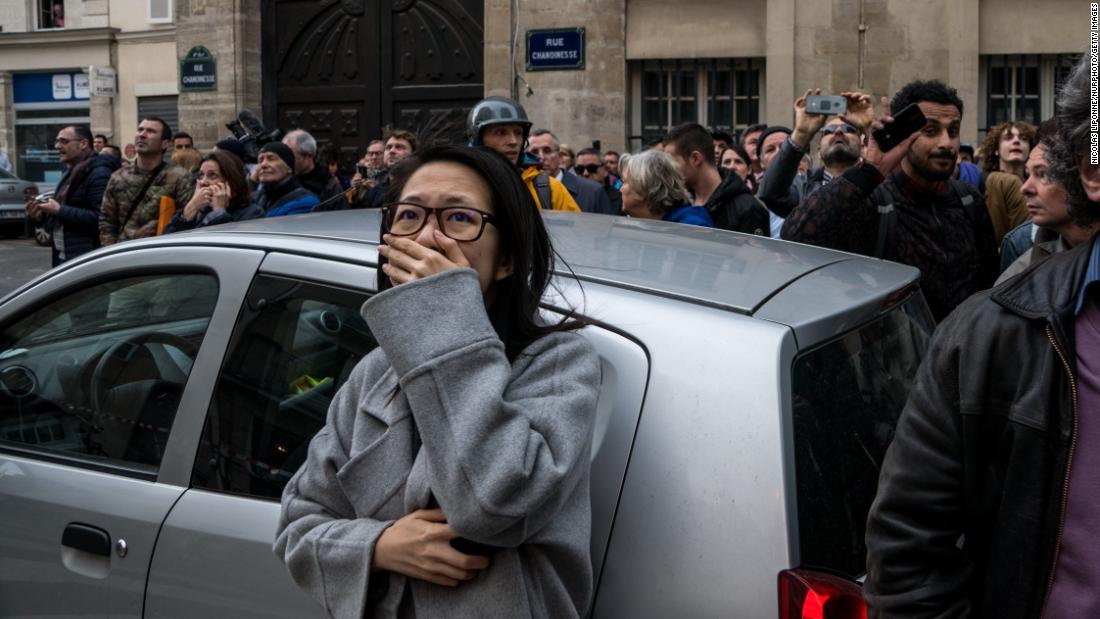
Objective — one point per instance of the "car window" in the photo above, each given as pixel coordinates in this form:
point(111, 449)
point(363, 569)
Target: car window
point(294, 345)
point(846, 399)
point(98, 373)
point(5, 175)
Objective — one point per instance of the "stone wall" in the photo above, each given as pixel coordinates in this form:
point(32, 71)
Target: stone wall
point(15, 17)
point(7, 119)
point(230, 29)
point(805, 45)
point(578, 106)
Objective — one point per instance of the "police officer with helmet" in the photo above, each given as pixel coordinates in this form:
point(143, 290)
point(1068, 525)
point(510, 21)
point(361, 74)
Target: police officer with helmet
point(501, 124)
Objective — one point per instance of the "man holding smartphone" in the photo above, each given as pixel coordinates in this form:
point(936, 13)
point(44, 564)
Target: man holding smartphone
point(840, 148)
point(902, 204)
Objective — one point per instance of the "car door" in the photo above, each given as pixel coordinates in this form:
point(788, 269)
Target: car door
point(98, 367)
point(296, 340)
point(298, 337)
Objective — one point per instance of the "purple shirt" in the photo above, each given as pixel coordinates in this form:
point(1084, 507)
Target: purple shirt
point(1076, 591)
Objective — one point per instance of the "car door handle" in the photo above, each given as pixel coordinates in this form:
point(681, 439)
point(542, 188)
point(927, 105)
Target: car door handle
point(87, 538)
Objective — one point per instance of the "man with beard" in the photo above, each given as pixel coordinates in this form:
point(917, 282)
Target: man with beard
point(903, 205)
point(839, 149)
point(987, 503)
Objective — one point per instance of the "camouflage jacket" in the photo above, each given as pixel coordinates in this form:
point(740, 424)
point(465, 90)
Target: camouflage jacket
point(121, 220)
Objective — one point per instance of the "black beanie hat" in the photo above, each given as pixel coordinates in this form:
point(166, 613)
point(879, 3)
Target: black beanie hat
point(231, 145)
point(283, 151)
point(766, 133)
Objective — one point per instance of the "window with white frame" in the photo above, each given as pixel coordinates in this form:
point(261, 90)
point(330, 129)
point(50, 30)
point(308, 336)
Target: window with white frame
point(721, 94)
point(51, 14)
point(1021, 87)
point(160, 11)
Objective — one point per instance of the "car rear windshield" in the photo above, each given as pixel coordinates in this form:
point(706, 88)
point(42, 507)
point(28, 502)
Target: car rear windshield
point(847, 396)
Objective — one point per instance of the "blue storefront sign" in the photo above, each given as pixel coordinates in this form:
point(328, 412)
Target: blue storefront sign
point(49, 87)
point(557, 49)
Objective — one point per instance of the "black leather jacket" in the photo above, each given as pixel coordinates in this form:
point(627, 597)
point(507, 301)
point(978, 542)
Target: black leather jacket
point(971, 495)
point(733, 207)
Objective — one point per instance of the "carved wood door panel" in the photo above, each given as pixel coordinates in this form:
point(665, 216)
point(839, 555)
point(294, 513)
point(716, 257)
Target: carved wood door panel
point(343, 69)
point(435, 68)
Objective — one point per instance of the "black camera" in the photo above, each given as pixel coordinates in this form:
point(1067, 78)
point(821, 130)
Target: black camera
point(252, 134)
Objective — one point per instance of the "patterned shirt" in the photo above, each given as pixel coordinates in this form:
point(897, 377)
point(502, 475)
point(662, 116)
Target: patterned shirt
point(953, 246)
point(121, 220)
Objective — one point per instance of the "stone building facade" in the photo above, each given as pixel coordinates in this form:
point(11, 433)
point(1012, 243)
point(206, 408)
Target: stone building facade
point(727, 64)
point(649, 64)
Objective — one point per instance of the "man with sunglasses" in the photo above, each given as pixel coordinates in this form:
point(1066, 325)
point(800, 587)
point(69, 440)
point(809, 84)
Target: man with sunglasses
point(903, 205)
point(590, 164)
point(839, 148)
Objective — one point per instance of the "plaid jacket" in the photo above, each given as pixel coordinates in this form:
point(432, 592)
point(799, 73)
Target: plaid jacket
point(121, 220)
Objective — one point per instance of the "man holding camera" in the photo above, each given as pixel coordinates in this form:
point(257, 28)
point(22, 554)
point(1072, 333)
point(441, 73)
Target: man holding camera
point(903, 204)
point(73, 212)
point(839, 148)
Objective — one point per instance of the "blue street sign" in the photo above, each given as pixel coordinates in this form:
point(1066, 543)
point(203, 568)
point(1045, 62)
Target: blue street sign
point(555, 49)
point(198, 70)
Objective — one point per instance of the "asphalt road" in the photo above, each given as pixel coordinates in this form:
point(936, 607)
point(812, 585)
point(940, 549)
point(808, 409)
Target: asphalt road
point(20, 261)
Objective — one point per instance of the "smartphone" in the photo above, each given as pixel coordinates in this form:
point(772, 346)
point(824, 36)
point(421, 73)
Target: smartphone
point(906, 122)
point(826, 104)
point(361, 169)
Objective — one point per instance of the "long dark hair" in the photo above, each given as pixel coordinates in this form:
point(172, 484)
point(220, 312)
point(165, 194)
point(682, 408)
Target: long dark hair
point(514, 313)
point(232, 170)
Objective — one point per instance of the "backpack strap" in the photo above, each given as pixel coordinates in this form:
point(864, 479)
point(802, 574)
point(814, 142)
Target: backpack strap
point(964, 194)
point(542, 190)
point(887, 218)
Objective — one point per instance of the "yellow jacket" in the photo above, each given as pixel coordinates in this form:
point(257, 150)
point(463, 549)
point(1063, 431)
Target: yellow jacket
point(559, 196)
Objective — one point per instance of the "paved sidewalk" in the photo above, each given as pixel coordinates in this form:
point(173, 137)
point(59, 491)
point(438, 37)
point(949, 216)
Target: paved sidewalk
point(20, 261)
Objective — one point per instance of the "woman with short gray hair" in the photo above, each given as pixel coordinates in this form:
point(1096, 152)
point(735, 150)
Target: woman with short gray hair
point(653, 189)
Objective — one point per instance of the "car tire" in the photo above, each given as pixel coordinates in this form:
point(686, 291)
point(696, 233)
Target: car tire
point(41, 235)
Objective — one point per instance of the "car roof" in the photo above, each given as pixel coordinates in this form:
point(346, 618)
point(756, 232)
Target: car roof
point(729, 270)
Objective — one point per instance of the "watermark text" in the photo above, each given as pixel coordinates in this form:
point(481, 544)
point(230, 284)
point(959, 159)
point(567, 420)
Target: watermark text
point(1094, 65)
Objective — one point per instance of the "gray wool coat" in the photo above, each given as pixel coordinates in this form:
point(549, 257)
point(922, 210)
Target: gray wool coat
point(503, 447)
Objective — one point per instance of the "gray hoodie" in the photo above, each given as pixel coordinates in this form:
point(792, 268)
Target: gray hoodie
point(503, 447)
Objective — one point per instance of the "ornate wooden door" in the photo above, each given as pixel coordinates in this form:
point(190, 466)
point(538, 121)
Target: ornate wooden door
point(343, 69)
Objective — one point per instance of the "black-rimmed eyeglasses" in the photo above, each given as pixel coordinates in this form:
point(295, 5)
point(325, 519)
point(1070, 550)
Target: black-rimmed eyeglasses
point(846, 128)
point(591, 168)
point(461, 223)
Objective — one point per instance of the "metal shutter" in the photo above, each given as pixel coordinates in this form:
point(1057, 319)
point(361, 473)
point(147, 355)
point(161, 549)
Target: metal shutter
point(166, 108)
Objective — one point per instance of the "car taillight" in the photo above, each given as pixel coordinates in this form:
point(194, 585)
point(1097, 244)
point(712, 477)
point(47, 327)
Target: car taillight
point(806, 594)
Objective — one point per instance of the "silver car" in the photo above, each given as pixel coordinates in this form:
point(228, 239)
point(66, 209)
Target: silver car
point(155, 396)
point(13, 196)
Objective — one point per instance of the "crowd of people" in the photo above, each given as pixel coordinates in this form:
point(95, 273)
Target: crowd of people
point(960, 215)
